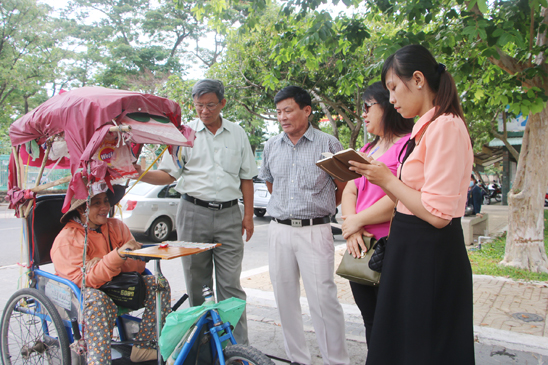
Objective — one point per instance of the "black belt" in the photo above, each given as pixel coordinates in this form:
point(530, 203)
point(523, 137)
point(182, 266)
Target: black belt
point(303, 222)
point(210, 205)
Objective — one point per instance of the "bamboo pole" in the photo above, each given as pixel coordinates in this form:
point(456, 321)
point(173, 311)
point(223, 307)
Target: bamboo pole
point(44, 161)
point(51, 184)
point(121, 128)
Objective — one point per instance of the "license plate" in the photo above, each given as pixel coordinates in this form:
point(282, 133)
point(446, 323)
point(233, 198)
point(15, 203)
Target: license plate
point(260, 193)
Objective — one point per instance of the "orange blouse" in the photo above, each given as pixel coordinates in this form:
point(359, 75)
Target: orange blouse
point(68, 249)
point(440, 165)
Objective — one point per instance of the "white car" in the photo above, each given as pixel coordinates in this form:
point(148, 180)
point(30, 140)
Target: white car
point(261, 197)
point(150, 209)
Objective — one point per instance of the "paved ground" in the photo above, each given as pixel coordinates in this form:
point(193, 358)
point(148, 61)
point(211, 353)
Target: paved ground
point(509, 316)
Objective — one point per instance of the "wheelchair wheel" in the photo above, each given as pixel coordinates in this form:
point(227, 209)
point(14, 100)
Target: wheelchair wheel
point(240, 354)
point(32, 331)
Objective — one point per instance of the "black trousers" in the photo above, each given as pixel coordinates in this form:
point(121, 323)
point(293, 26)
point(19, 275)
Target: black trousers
point(365, 297)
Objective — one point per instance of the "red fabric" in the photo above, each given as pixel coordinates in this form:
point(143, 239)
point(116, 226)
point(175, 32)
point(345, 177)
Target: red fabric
point(85, 115)
point(12, 173)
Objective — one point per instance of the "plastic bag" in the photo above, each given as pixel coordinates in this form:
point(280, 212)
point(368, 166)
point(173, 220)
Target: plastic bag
point(178, 323)
point(119, 159)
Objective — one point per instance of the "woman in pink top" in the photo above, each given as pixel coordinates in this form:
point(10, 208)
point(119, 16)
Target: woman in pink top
point(424, 307)
point(365, 207)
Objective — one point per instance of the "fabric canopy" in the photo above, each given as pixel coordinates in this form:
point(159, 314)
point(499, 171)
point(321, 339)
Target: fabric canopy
point(84, 117)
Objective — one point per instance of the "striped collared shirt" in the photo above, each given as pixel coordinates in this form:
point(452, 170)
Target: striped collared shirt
point(300, 189)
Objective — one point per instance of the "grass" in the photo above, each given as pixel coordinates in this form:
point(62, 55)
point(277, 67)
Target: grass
point(486, 261)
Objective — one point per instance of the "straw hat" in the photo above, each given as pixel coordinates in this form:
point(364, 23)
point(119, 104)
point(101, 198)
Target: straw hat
point(113, 198)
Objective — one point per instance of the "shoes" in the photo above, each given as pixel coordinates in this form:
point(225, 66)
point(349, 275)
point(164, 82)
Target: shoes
point(140, 355)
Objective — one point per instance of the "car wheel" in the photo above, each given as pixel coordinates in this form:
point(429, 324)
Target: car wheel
point(259, 212)
point(160, 229)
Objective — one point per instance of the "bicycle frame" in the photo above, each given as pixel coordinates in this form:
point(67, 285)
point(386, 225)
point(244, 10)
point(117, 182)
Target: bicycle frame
point(212, 319)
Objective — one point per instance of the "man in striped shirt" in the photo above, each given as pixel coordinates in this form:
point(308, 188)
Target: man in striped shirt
point(300, 239)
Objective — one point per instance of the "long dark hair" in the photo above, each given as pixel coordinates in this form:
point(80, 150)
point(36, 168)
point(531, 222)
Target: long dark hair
point(415, 57)
point(393, 123)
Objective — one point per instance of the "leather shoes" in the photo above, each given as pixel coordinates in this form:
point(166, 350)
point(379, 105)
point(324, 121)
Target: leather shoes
point(140, 355)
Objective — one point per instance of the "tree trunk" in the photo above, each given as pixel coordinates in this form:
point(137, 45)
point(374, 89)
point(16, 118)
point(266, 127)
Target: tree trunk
point(354, 135)
point(525, 240)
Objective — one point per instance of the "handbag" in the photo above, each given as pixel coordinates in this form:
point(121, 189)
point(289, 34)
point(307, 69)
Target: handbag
point(357, 269)
point(126, 290)
point(377, 258)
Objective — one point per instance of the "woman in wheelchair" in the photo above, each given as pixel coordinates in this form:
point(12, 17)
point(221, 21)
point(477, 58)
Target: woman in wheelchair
point(105, 258)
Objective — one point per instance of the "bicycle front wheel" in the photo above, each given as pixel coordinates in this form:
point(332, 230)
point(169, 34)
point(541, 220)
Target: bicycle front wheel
point(32, 331)
point(240, 354)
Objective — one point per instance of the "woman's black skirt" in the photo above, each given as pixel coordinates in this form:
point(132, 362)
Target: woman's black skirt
point(424, 309)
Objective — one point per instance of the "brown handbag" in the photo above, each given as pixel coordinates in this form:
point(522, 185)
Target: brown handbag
point(357, 269)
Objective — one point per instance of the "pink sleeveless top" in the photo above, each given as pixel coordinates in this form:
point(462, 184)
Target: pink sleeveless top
point(369, 194)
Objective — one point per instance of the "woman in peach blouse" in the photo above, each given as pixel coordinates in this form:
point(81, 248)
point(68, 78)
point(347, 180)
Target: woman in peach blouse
point(424, 307)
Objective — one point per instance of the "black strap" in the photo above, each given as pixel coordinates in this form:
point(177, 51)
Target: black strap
point(410, 145)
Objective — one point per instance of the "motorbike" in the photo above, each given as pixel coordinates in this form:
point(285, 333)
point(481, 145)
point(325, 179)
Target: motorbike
point(491, 191)
point(484, 193)
point(495, 192)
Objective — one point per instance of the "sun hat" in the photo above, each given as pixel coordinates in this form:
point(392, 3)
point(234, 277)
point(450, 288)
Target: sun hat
point(97, 188)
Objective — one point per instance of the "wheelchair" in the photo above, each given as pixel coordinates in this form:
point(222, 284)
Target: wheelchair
point(39, 323)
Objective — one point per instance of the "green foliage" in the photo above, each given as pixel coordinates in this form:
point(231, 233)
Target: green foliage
point(486, 261)
point(330, 57)
point(180, 91)
point(469, 36)
point(135, 44)
point(29, 54)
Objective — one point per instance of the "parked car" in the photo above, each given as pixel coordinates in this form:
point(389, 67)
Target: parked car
point(261, 197)
point(150, 209)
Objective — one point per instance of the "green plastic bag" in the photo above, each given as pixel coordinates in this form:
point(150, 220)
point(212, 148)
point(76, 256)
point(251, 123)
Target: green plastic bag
point(178, 323)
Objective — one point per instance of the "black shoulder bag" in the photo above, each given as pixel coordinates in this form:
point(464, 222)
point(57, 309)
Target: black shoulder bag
point(126, 289)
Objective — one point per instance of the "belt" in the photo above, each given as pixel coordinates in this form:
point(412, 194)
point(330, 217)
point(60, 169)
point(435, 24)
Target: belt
point(303, 222)
point(210, 205)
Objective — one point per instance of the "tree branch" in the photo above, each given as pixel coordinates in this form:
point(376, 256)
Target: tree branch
point(504, 136)
point(327, 114)
point(513, 66)
point(254, 113)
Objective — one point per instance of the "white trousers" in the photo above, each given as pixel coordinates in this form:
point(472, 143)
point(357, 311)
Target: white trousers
point(307, 252)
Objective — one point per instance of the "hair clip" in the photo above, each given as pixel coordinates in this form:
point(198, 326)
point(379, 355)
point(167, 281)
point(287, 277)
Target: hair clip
point(441, 68)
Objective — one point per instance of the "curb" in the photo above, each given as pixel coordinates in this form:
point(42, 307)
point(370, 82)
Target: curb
point(511, 340)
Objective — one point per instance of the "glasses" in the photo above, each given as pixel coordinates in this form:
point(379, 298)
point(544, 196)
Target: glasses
point(209, 106)
point(366, 107)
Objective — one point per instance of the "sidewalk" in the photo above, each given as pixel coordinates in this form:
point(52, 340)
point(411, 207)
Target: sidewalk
point(509, 316)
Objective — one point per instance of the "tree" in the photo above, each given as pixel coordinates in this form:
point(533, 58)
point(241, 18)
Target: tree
point(29, 54)
point(507, 42)
point(331, 63)
point(497, 54)
point(133, 44)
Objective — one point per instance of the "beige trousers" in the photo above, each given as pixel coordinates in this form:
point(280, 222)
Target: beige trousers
point(307, 252)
